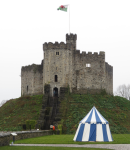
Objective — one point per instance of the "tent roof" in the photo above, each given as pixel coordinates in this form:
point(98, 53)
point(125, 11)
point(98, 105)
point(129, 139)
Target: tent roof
point(94, 117)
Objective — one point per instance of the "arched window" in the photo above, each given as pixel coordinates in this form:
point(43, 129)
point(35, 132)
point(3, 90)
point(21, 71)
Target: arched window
point(56, 78)
point(27, 88)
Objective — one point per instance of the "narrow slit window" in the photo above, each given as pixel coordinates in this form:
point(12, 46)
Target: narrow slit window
point(27, 88)
point(56, 78)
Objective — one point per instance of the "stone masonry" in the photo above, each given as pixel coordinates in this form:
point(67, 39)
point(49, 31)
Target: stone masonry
point(64, 66)
point(5, 138)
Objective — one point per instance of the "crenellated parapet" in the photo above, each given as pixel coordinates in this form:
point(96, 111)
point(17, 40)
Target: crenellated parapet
point(33, 68)
point(89, 54)
point(56, 45)
point(101, 53)
point(70, 44)
point(71, 37)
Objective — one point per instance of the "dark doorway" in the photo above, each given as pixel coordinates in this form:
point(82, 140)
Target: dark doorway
point(55, 92)
point(24, 126)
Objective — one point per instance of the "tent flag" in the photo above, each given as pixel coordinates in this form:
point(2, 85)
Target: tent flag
point(63, 8)
point(93, 127)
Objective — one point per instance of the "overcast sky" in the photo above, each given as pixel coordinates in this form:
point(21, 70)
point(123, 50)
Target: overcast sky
point(100, 25)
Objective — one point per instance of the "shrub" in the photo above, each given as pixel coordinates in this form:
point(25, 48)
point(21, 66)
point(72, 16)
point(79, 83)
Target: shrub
point(31, 123)
point(60, 128)
point(103, 92)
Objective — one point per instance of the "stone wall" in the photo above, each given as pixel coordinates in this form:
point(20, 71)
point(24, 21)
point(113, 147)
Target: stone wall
point(57, 62)
point(63, 92)
point(32, 79)
point(64, 65)
point(109, 78)
point(89, 78)
point(6, 138)
point(70, 66)
point(86, 91)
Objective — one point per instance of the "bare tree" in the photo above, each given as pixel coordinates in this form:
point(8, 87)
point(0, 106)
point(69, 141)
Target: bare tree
point(3, 102)
point(123, 91)
point(128, 92)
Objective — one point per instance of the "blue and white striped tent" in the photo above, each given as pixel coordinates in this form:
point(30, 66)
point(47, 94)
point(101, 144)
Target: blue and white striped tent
point(93, 127)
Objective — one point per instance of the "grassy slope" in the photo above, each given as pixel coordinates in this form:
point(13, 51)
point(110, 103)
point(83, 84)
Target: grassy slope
point(17, 111)
point(114, 108)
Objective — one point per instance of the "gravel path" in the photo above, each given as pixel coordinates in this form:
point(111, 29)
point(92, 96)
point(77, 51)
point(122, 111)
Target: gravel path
point(107, 146)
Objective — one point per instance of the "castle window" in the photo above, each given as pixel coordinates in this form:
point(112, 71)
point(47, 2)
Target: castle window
point(56, 78)
point(27, 88)
point(57, 53)
point(56, 68)
point(88, 65)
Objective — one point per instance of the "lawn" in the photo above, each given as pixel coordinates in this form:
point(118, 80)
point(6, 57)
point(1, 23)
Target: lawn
point(46, 148)
point(68, 139)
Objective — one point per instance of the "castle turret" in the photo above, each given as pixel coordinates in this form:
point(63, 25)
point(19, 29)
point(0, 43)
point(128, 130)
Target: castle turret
point(71, 39)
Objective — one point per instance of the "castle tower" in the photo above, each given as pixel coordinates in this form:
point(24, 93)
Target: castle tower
point(57, 69)
point(71, 39)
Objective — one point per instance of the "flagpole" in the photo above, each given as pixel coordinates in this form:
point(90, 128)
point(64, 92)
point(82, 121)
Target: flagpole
point(69, 18)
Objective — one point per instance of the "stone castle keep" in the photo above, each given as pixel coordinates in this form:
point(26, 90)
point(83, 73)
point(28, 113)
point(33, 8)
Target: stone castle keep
point(63, 65)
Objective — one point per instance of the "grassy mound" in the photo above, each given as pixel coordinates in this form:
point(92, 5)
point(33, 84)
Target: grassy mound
point(16, 111)
point(73, 108)
point(114, 108)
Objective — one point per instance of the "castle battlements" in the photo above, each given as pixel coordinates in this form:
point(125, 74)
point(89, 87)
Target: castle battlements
point(69, 45)
point(65, 65)
point(90, 54)
point(33, 67)
point(58, 46)
point(71, 37)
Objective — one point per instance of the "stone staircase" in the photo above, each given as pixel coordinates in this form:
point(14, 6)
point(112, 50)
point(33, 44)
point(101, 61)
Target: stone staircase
point(49, 114)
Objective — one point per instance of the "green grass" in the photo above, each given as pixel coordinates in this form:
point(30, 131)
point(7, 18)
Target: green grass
point(68, 139)
point(16, 111)
point(73, 108)
point(114, 108)
point(46, 148)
